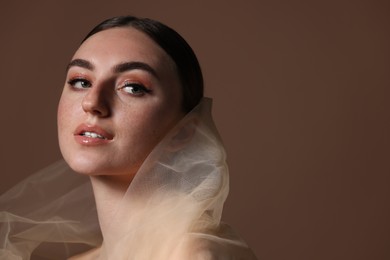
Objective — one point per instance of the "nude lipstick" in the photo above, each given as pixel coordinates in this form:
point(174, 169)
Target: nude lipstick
point(92, 135)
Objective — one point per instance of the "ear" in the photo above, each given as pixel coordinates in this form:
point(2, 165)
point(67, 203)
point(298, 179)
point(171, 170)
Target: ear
point(183, 134)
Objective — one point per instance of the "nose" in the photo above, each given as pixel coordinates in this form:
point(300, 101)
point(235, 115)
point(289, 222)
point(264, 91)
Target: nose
point(96, 102)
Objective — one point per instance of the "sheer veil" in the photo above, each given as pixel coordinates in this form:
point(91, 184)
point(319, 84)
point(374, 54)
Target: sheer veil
point(171, 210)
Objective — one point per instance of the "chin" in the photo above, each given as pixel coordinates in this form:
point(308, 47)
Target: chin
point(98, 167)
point(83, 166)
point(83, 162)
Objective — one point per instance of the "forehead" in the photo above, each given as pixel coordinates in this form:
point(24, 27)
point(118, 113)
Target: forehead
point(116, 45)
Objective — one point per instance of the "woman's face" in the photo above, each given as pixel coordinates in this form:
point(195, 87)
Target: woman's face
point(121, 96)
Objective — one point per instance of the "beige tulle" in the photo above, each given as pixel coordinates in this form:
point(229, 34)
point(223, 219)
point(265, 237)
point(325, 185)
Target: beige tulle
point(171, 210)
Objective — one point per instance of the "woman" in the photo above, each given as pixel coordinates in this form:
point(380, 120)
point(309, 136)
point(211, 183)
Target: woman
point(132, 118)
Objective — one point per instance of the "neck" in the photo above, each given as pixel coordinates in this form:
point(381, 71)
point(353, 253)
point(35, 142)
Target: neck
point(108, 192)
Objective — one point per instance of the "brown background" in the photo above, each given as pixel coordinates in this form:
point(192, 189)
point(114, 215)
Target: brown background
point(301, 98)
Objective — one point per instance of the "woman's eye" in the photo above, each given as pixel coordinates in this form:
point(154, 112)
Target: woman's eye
point(79, 83)
point(135, 89)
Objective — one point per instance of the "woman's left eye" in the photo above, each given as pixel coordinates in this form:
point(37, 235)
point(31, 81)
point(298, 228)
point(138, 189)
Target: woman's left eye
point(135, 89)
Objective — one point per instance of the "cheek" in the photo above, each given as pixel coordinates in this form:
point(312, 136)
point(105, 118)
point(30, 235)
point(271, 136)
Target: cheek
point(60, 110)
point(61, 119)
point(149, 124)
point(139, 124)
point(68, 106)
point(62, 113)
point(66, 112)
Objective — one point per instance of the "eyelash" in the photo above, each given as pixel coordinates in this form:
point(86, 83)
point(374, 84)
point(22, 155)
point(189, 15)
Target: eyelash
point(87, 84)
point(74, 81)
point(140, 87)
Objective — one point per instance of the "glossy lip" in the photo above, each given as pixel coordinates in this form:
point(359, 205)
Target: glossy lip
point(85, 140)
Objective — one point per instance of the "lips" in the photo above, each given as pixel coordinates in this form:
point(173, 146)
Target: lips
point(92, 135)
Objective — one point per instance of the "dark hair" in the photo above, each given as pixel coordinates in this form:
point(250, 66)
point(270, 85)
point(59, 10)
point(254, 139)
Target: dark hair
point(174, 45)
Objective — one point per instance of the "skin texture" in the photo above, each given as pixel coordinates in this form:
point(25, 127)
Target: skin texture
point(95, 95)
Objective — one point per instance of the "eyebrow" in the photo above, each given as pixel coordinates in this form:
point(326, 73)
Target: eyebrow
point(80, 63)
point(134, 65)
point(120, 68)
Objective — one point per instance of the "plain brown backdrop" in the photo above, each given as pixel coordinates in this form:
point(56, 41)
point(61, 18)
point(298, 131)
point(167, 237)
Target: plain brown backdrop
point(301, 99)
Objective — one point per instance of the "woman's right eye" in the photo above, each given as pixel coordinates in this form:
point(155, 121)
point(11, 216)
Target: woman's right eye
point(79, 83)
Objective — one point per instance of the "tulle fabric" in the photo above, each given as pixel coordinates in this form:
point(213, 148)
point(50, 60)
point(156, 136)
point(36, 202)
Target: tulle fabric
point(52, 213)
point(171, 210)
